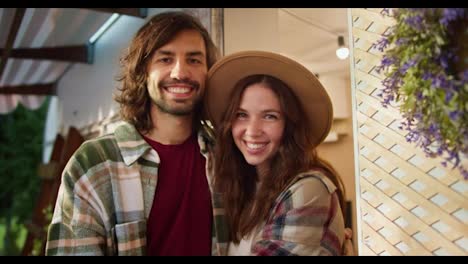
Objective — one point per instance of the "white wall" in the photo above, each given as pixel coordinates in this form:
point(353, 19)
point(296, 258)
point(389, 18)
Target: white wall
point(337, 87)
point(250, 28)
point(259, 29)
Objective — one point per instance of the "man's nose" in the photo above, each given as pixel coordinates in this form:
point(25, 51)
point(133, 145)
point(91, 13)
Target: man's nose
point(180, 71)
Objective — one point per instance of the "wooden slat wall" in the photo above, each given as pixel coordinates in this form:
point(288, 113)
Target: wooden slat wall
point(410, 204)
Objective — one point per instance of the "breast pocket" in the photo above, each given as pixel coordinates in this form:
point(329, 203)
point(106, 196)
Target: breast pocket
point(130, 238)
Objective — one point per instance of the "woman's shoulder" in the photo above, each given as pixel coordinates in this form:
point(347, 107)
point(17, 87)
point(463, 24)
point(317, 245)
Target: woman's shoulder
point(309, 192)
point(311, 185)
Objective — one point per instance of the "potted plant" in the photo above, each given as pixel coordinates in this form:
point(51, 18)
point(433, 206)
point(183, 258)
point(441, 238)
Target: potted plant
point(425, 68)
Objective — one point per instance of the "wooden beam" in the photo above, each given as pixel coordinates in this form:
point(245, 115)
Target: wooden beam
point(77, 53)
point(136, 12)
point(15, 25)
point(30, 89)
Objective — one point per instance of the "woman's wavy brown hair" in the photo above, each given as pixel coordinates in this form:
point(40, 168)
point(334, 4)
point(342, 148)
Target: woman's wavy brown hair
point(134, 99)
point(236, 180)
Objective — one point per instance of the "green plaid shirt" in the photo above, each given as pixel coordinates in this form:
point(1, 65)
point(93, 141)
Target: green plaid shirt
point(106, 195)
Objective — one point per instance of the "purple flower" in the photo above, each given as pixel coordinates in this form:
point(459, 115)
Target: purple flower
point(412, 136)
point(418, 116)
point(385, 63)
point(415, 21)
point(432, 128)
point(444, 61)
point(464, 76)
point(385, 12)
point(427, 75)
point(410, 63)
point(448, 96)
point(453, 155)
point(419, 95)
point(439, 81)
point(401, 41)
point(451, 14)
point(464, 172)
point(381, 44)
point(446, 57)
point(454, 115)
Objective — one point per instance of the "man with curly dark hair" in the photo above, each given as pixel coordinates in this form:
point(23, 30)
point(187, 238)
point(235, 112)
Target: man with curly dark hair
point(143, 189)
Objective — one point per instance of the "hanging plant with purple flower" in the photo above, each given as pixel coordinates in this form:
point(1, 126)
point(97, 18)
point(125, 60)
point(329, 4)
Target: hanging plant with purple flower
point(425, 65)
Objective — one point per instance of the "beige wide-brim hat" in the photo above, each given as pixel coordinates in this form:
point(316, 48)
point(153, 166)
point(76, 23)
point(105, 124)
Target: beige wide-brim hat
point(224, 74)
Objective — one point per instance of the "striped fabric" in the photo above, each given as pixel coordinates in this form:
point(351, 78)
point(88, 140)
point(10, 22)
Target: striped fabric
point(305, 220)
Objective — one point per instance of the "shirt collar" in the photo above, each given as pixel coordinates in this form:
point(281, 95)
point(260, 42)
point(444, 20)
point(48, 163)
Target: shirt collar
point(133, 146)
point(131, 143)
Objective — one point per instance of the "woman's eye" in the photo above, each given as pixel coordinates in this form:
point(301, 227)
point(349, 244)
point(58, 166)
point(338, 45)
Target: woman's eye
point(271, 117)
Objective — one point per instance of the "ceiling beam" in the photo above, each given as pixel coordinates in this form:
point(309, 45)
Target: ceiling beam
point(136, 12)
point(30, 89)
point(15, 25)
point(77, 53)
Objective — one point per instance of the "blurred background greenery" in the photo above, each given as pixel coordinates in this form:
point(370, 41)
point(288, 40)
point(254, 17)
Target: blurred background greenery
point(21, 143)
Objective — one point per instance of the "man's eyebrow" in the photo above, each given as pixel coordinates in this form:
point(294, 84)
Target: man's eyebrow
point(165, 52)
point(189, 54)
point(195, 53)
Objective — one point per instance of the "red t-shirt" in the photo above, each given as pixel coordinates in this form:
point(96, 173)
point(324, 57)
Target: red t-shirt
point(179, 223)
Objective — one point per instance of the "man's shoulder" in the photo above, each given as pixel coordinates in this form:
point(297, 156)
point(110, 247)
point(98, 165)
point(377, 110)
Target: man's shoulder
point(97, 150)
point(99, 142)
point(109, 142)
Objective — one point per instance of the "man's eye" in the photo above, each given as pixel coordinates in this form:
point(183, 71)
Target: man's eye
point(241, 115)
point(195, 61)
point(164, 60)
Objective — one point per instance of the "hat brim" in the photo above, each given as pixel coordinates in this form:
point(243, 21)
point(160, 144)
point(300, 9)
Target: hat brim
point(224, 75)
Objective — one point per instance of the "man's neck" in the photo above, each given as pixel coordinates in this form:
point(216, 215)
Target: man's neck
point(169, 129)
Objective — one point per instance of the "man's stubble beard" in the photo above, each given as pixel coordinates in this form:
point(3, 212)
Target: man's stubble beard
point(184, 110)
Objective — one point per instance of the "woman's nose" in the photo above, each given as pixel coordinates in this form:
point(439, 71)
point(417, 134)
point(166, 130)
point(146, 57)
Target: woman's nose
point(254, 128)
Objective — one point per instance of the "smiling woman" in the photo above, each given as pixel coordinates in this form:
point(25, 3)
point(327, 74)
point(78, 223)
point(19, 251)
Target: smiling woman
point(309, 36)
point(270, 113)
point(259, 125)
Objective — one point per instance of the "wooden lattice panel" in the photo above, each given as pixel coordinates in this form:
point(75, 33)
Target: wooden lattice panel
point(409, 204)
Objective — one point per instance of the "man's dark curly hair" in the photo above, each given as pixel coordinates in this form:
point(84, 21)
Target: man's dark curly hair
point(134, 99)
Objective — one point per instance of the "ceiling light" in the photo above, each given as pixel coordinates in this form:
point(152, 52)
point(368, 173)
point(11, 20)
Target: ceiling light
point(342, 52)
